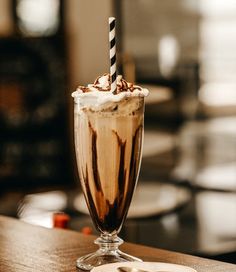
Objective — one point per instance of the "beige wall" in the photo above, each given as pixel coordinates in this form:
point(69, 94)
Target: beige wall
point(87, 32)
point(6, 24)
point(153, 20)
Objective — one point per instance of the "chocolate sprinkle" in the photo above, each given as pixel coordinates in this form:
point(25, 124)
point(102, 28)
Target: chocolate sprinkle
point(122, 85)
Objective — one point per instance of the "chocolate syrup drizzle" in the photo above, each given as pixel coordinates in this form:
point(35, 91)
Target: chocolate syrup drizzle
point(107, 216)
point(96, 175)
point(89, 198)
point(122, 85)
point(122, 171)
point(135, 148)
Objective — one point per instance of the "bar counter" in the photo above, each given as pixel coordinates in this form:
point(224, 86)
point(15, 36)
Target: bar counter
point(25, 247)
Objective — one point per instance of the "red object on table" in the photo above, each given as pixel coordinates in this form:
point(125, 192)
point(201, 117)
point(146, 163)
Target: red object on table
point(60, 220)
point(87, 230)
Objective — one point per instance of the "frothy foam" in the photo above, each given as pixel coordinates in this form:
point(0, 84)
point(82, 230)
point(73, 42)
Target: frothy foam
point(98, 96)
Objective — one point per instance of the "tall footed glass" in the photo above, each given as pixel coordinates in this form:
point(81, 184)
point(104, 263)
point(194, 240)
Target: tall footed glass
point(108, 145)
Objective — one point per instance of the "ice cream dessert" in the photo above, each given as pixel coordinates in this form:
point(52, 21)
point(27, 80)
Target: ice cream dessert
point(98, 96)
point(108, 141)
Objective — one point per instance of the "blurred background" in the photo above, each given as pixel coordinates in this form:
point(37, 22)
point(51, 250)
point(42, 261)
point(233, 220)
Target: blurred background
point(184, 52)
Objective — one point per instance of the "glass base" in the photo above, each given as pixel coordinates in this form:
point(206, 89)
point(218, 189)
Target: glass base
point(107, 253)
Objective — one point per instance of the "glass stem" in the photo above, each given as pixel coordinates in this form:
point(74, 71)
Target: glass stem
point(108, 243)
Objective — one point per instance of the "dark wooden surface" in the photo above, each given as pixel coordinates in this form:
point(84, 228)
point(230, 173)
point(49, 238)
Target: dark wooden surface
point(24, 247)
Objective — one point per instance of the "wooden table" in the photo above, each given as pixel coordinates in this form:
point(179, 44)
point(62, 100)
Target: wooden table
point(24, 247)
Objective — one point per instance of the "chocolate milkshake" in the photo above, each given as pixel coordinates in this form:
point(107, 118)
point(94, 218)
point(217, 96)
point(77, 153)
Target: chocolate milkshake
point(108, 142)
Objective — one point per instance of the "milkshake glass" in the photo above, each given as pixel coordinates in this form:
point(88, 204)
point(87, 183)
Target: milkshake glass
point(108, 142)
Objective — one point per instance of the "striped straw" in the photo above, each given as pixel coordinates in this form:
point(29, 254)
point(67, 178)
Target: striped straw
point(112, 40)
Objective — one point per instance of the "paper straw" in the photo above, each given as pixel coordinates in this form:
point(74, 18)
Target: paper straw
point(112, 40)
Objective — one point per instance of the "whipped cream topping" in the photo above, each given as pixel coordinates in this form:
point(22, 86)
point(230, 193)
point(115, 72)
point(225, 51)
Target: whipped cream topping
point(98, 95)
